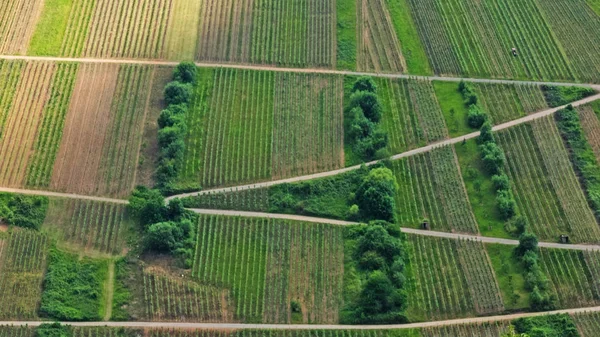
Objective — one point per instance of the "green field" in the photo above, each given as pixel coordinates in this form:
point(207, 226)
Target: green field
point(509, 272)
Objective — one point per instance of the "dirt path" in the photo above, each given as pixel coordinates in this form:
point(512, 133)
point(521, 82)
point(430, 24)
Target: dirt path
point(171, 325)
point(110, 290)
point(427, 148)
point(294, 70)
point(62, 195)
point(447, 235)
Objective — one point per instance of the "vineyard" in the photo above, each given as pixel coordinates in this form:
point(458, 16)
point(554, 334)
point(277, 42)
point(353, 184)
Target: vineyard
point(21, 272)
point(13, 331)
point(268, 264)
point(573, 23)
point(17, 20)
point(378, 47)
point(506, 102)
point(280, 333)
point(308, 125)
point(546, 189)
point(431, 188)
point(89, 225)
point(451, 279)
point(170, 299)
point(102, 135)
point(572, 276)
point(180, 39)
point(588, 324)
point(411, 114)
point(475, 37)
point(495, 329)
point(297, 33)
point(117, 29)
point(591, 128)
point(255, 199)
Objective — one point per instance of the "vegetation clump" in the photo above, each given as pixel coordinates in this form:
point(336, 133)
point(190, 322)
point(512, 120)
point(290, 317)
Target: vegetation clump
point(365, 113)
point(476, 115)
point(375, 289)
point(53, 330)
point(547, 326)
point(561, 95)
point(540, 297)
point(22, 210)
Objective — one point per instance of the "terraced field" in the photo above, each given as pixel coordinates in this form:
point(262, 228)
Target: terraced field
point(267, 264)
point(546, 188)
point(451, 279)
point(431, 188)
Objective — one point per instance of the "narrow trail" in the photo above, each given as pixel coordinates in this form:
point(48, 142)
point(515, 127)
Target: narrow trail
point(284, 69)
point(413, 152)
point(110, 290)
point(456, 236)
point(62, 195)
point(232, 326)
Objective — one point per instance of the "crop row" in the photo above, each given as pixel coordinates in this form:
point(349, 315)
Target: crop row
point(21, 272)
point(126, 29)
point(17, 21)
point(378, 46)
point(412, 116)
point(573, 23)
point(299, 33)
point(308, 124)
point(431, 188)
point(274, 333)
point(571, 276)
point(495, 329)
point(16, 331)
point(588, 324)
point(88, 224)
point(46, 146)
point(268, 264)
point(545, 187)
point(506, 102)
point(238, 124)
point(10, 73)
point(255, 199)
point(168, 299)
point(591, 128)
point(440, 287)
point(102, 331)
point(22, 125)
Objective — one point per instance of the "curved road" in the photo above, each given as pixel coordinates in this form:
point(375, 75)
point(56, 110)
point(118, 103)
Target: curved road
point(423, 149)
point(221, 326)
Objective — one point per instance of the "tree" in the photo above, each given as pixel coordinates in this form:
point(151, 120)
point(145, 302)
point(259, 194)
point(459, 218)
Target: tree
point(172, 115)
point(376, 296)
point(377, 240)
point(492, 157)
point(506, 204)
point(369, 103)
point(177, 93)
point(512, 333)
point(501, 182)
point(476, 117)
point(185, 72)
point(486, 134)
point(163, 236)
point(53, 330)
point(527, 242)
point(364, 83)
point(147, 205)
point(376, 195)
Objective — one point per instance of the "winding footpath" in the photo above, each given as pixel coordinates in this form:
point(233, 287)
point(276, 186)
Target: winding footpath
point(233, 326)
point(423, 149)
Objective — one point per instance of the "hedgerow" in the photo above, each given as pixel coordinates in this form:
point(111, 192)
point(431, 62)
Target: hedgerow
point(561, 95)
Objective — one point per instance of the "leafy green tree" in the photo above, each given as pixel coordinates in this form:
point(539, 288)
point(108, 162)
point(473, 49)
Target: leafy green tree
point(369, 103)
point(486, 134)
point(185, 72)
point(178, 93)
point(147, 205)
point(53, 330)
point(365, 83)
point(379, 295)
point(527, 242)
point(492, 157)
point(506, 204)
point(476, 117)
point(501, 182)
point(376, 195)
point(173, 115)
point(376, 239)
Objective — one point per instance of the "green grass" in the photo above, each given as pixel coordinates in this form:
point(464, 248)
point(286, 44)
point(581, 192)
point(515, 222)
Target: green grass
point(453, 108)
point(509, 274)
point(594, 5)
point(50, 30)
point(346, 34)
point(480, 190)
point(412, 49)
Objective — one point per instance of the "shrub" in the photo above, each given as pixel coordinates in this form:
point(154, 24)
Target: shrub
point(506, 204)
point(365, 83)
point(53, 330)
point(492, 157)
point(561, 95)
point(528, 242)
point(178, 93)
point(185, 72)
point(468, 93)
point(147, 205)
point(376, 195)
point(501, 182)
point(486, 135)
point(476, 117)
point(369, 103)
point(23, 210)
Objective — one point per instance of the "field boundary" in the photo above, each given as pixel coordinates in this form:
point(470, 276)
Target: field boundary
point(234, 326)
point(292, 70)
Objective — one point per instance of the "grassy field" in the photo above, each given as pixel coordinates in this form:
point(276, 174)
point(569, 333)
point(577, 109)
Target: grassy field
point(546, 188)
point(591, 127)
point(346, 34)
point(22, 266)
point(51, 27)
point(412, 115)
point(573, 276)
point(431, 188)
point(300, 34)
point(509, 272)
point(89, 226)
point(452, 279)
point(269, 264)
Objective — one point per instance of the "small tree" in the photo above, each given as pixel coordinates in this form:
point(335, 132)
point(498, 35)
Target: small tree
point(493, 157)
point(506, 204)
point(365, 83)
point(527, 242)
point(369, 103)
point(376, 194)
point(486, 134)
point(147, 205)
point(476, 117)
point(185, 72)
point(177, 93)
point(501, 182)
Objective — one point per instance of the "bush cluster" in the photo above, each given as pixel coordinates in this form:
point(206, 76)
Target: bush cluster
point(167, 228)
point(173, 126)
point(476, 116)
point(581, 154)
point(365, 113)
point(561, 95)
point(23, 210)
point(540, 297)
point(380, 259)
point(53, 330)
point(547, 326)
point(375, 197)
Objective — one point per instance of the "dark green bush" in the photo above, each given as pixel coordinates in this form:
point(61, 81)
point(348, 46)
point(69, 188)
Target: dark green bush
point(547, 326)
point(492, 157)
point(147, 205)
point(501, 182)
point(23, 210)
point(365, 83)
point(561, 95)
point(185, 72)
point(476, 117)
point(376, 195)
point(178, 93)
point(486, 135)
point(53, 330)
point(506, 204)
point(369, 103)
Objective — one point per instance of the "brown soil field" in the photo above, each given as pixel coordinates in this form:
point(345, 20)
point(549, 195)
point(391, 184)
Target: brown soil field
point(23, 122)
point(17, 24)
point(77, 164)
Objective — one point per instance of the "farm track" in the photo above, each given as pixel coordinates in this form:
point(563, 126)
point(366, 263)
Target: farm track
point(228, 326)
point(292, 70)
